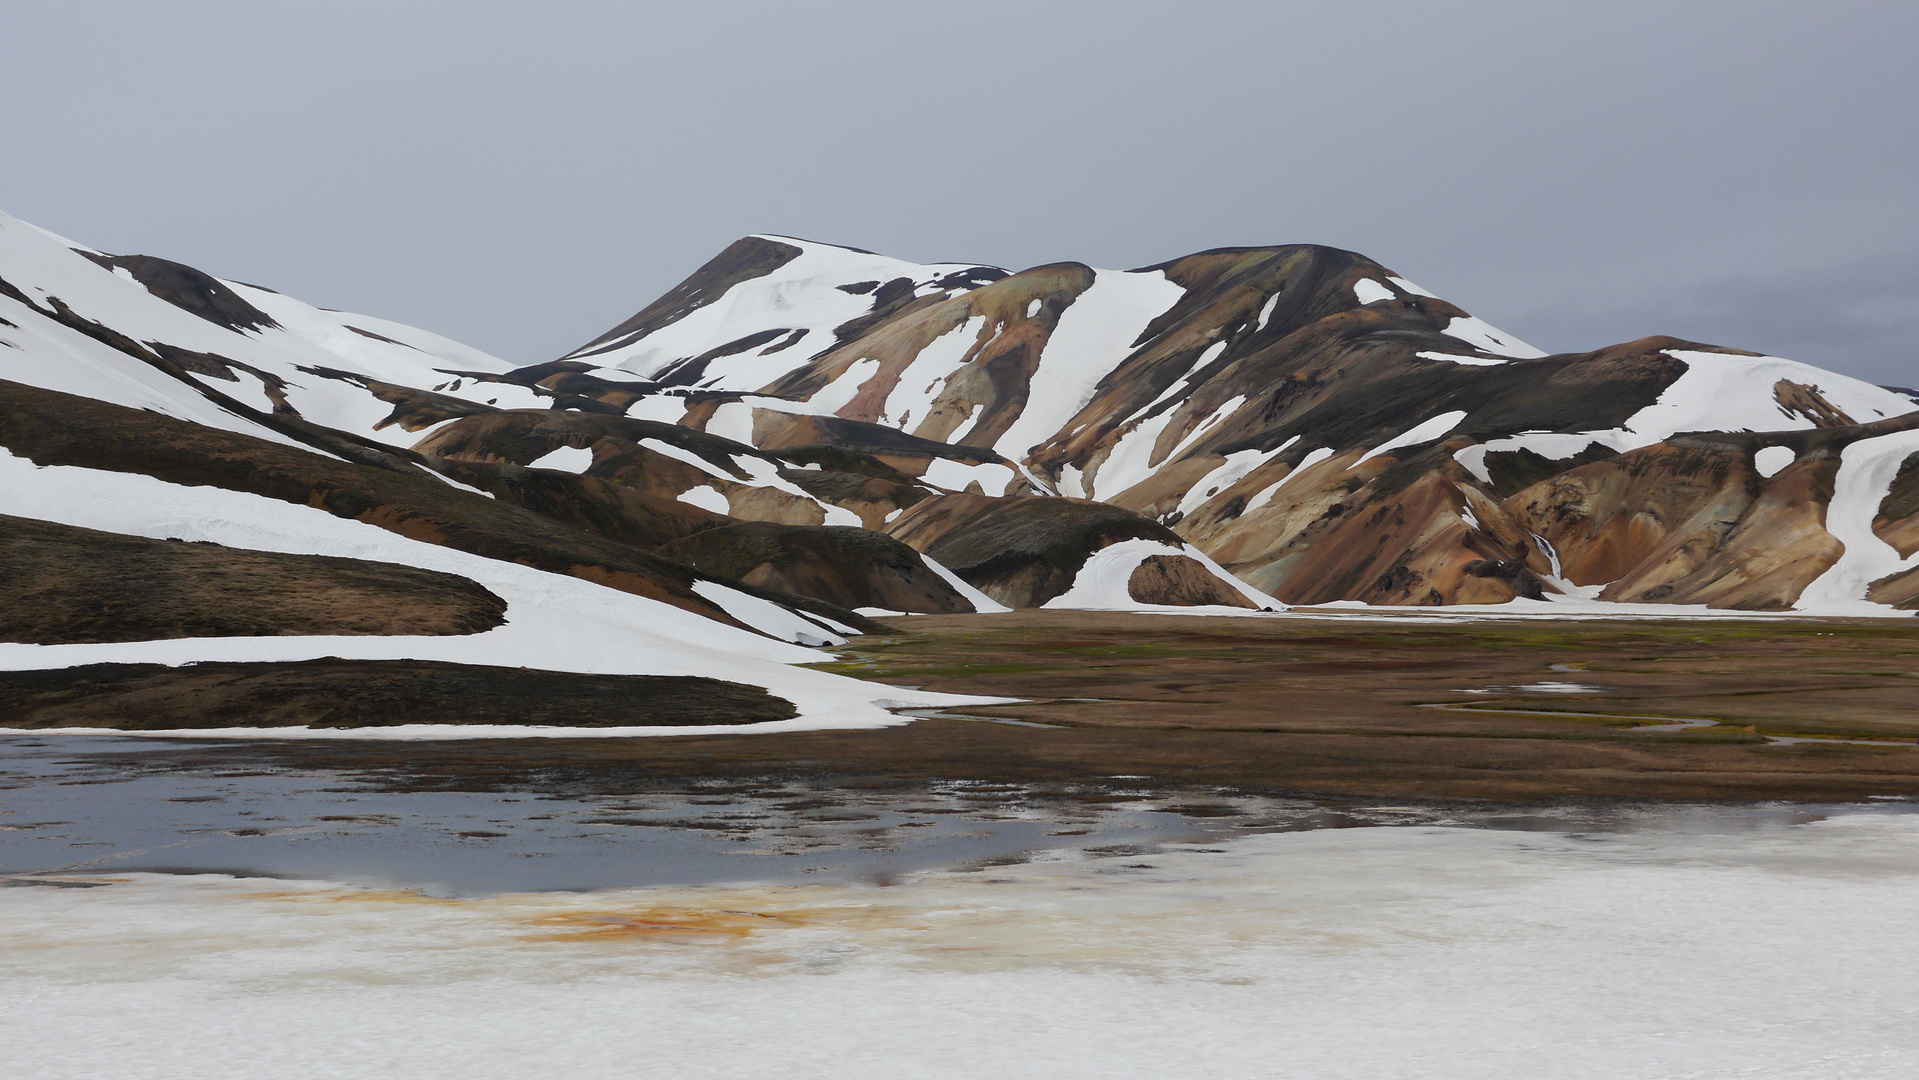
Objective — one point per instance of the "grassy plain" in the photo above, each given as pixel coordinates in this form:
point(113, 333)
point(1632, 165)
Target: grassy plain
point(1335, 707)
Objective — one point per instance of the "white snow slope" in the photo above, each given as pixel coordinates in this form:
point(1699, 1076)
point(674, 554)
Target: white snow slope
point(44, 353)
point(1718, 392)
point(554, 622)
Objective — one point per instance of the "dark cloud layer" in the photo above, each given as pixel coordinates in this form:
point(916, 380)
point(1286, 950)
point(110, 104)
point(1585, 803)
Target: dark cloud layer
point(523, 176)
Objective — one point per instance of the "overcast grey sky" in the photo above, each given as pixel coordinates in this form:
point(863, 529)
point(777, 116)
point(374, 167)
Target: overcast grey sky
point(523, 176)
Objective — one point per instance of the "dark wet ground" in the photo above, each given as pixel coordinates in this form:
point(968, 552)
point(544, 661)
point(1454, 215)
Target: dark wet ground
point(78, 806)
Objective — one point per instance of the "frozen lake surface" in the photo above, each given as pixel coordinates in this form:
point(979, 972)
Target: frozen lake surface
point(931, 931)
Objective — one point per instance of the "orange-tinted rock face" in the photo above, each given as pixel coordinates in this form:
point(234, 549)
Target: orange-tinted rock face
point(1180, 580)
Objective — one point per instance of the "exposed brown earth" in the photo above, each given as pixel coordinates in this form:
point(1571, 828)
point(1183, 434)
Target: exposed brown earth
point(334, 693)
point(60, 585)
point(1342, 706)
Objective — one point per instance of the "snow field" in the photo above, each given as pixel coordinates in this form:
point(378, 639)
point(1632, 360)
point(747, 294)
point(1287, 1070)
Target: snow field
point(310, 338)
point(1774, 953)
point(1102, 582)
point(554, 622)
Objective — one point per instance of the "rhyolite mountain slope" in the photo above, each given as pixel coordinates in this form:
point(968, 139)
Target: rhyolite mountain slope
point(816, 425)
point(1318, 425)
point(201, 472)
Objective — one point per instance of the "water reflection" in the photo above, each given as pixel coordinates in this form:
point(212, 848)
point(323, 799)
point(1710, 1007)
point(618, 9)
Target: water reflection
point(71, 807)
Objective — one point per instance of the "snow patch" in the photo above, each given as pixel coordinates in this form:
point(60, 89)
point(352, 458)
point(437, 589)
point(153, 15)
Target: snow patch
point(982, 603)
point(571, 459)
point(706, 498)
point(1102, 583)
point(1424, 433)
point(1266, 493)
point(1769, 461)
point(1237, 465)
point(1095, 334)
point(1470, 361)
point(1368, 291)
point(1867, 469)
point(992, 476)
point(1551, 445)
point(922, 380)
point(1488, 338)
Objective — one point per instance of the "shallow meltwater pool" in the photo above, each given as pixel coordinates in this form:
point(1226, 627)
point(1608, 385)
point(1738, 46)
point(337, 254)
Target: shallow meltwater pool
point(720, 927)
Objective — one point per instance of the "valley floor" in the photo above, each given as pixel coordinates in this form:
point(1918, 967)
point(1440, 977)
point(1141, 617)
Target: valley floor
point(1342, 705)
point(1477, 708)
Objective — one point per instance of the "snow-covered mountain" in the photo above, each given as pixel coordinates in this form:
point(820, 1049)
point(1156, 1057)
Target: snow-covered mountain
point(144, 399)
point(1321, 426)
point(801, 437)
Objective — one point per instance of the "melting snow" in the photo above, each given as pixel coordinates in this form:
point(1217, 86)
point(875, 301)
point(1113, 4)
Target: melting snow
point(1369, 291)
point(1484, 336)
point(1866, 472)
point(573, 459)
point(706, 498)
point(1424, 433)
point(1266, 494)
point(1095, 333)
point(1464, 953)
point(1769, 461)
point(554, 622)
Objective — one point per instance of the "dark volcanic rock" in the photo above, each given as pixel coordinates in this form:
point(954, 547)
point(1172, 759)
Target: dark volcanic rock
point(52, 428)
point(743, 260)
point(843, 565)
point(334, 693)
point(60, 585)
point(1021, 551)
point(190, 290)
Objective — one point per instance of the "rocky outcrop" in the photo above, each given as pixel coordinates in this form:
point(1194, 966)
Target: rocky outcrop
point(851, 567)
point(60, 585)
point(334, 693)
point(1024, 552)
